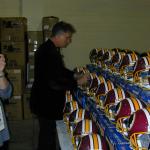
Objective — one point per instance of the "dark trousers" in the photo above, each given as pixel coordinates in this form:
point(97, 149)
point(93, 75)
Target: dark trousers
point(48, 139)
point(5, 146)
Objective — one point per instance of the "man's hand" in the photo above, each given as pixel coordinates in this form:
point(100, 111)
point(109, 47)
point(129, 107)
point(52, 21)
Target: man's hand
point(83, 80)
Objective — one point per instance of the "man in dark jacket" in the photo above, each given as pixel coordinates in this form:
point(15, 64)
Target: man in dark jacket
point(51, 80)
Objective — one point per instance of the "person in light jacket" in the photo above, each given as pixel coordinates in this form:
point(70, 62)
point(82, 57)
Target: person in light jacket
point(5, 94)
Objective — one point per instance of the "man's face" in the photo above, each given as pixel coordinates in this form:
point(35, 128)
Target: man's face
point(64, 39)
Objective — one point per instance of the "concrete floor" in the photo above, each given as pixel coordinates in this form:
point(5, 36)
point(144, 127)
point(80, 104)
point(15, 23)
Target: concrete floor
point(24, 134)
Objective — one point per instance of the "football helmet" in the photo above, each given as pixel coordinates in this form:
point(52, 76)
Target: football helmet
point(103, 89)
point(116, 60)
point(138, 128)
point(69, 108)
point(107, 58)
point(93, 142)
point(82, 128)
point(94, 83)
point(94, 55)
point(113, 97)
point(108, 55)
point(85, 127)
point(124, 109)
point(68, 96)
point(142, 71)
point(81, 70)
point(127, 64)
point(79, 115)
point(101, 53)
point(76, 116)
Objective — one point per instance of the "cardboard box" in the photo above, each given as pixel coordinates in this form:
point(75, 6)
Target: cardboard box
point(14, 109)
point(26, 109)
point(16, 78)
point(49, 22)
point(16, 60)
point(13, 47)
point(15, 53)
point(13, 29)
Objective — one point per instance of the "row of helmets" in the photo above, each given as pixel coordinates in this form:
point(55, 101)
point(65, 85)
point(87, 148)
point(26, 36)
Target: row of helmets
point(82, 129)
point(130, 115)
point(129, 64)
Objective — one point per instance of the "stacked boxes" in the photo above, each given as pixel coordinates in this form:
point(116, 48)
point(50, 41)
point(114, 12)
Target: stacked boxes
point(13, 42)
point(15, 54)
point(47, 25)
point(13, 33)
point(13, 29)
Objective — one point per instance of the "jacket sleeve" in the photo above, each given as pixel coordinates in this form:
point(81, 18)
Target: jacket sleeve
point(66, 82)
point(50, 71)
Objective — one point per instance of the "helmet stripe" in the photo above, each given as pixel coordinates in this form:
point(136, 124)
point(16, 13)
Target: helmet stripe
point(98, 80)
point(130, 59)
point(134, 57)
point(109, 84)
point(91, 78)
point(83, 126)
point(83, 113)
point(95, 141)
point(99, 141)
point(116, 95)
point(80, 113)
point(136, 103)
point(71, 105)
point(90, 126)
point(131, 105)
point(106, 87)
point(77, 114)
point(91, 142)
point(75, 105)
point(120, 94)
point(86, 126)
point(145, 60)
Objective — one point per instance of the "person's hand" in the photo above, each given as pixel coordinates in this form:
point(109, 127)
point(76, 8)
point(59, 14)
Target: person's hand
point(78, 75)
point(2, 63)
point(82, 81)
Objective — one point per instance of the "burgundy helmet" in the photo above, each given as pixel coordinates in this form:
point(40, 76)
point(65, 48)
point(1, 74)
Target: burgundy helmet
point(125, 109)
point(139, 126)
point(93, 142)
point(85, 127)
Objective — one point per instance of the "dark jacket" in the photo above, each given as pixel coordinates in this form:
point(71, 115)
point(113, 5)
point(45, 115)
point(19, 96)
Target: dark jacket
point(51, 80)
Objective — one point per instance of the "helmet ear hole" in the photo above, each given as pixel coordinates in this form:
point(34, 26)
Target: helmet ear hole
point(117, 108)
point(129, 124)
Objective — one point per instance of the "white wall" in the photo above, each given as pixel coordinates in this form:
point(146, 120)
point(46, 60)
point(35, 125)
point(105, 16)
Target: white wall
point(10, 8)
point(99, 23)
